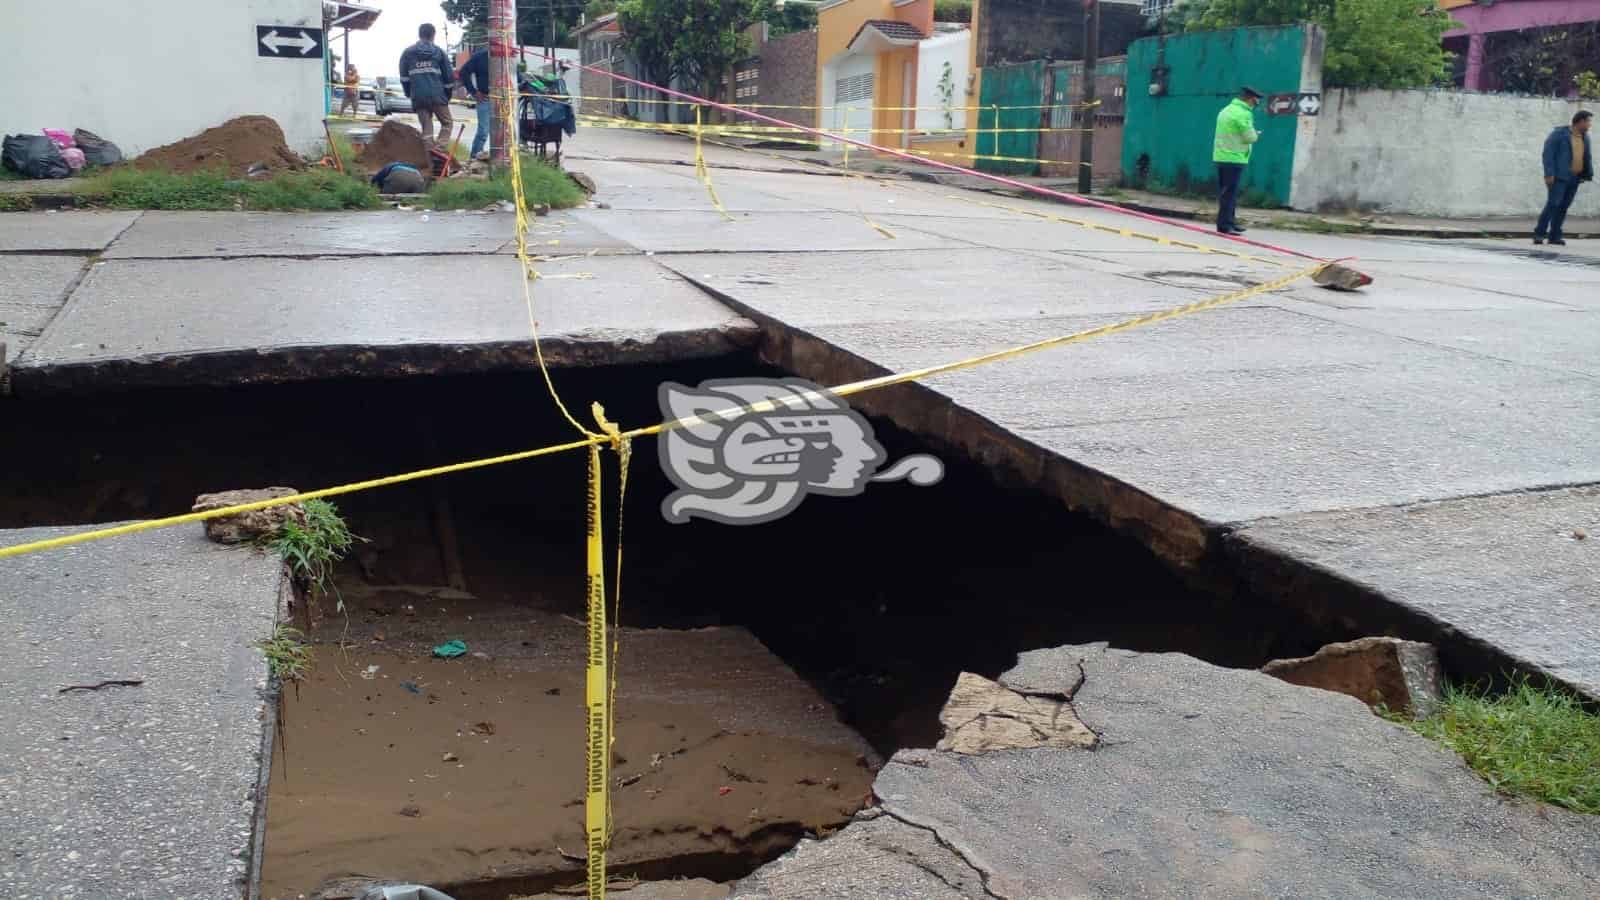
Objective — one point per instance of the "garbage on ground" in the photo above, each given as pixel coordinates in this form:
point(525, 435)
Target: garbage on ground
point(34, 155)
point(97, 151)
point(450, 649)
point(405, 892)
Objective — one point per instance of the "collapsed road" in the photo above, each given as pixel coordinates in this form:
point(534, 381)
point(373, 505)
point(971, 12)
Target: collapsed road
point(1405, 460)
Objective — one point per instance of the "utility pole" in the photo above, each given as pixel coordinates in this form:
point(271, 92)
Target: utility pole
point(502, 76)
point(1091, 53)
point(550, 34)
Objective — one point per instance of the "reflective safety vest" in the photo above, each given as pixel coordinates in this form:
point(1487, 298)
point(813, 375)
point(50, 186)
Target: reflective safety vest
point(1236, 131)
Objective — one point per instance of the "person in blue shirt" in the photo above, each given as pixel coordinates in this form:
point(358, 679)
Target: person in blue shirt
point(474, 76)
point(1568, 162)
point(428, 78)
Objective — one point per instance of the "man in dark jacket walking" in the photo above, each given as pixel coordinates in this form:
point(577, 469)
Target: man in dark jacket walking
point(428, 78)
point(1568, 162)
point(475, 78)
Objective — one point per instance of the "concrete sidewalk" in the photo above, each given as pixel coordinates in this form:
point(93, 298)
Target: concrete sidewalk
point(1184, 208)
point(144, 790)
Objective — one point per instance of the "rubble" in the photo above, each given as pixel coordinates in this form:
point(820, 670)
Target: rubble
point(1401, 675)
point(247, 526)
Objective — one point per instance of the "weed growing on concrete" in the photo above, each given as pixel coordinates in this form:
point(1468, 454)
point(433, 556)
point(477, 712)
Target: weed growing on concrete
point(313, 189)
point(287, 656)
point(542, 183)
point(1533, 741)
point(311, 549)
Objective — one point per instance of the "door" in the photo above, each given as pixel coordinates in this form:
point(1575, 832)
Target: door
point(1018, 91)
point(854, 83)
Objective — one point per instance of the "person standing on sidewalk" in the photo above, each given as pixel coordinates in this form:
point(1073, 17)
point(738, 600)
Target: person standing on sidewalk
point(1568, 162)
point(352, 91)
point(474, 76)
point(1236, 134)
point(428, 78)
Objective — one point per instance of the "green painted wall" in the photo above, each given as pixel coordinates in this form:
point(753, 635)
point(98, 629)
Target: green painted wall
point(1018, 92)
point(1206, 70)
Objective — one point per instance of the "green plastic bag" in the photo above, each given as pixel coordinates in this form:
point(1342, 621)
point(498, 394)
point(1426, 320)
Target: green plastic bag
point(450, 649)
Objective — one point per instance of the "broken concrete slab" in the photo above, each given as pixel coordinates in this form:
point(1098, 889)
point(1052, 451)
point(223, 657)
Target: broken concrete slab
point(1382, 672)
point(36, 288)
point(156, 322)
point(681, 889)
point(1208, 782)
point(251, 525)
point(62, 232)
point(982, 716)
point(1515, 572)
point(1299, 414)
point(877, 856)
point(181, 235)
point(149, 788)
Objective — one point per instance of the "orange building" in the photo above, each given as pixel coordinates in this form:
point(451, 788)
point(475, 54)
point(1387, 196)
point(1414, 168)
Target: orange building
point(868, 70)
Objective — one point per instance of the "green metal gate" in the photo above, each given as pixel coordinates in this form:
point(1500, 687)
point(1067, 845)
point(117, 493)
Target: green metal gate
point(1018, 92)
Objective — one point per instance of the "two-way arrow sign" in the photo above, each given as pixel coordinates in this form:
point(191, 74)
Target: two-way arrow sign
point(1310, 104)
point(288, 42)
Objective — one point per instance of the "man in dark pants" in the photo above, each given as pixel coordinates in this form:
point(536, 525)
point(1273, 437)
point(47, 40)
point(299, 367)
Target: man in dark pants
point(428, 78)
point(1235, 137)
point(1568, 162)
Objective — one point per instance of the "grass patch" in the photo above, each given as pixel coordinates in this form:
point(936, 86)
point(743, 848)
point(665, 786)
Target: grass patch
point(347, 150)
point(1530, 741)
point(541, 183)
point(8, 175)
point(313, 189)
point(311, 549)
point(287, 656)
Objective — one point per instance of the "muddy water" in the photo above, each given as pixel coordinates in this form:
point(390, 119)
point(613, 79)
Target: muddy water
point(399, 765)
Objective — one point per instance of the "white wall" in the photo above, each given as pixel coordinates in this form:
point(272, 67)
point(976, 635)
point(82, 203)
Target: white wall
point(143, 73)
point(1433, 153)
point(932, 54)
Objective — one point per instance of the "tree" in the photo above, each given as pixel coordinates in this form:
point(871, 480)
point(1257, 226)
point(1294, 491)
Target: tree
point(1370, 43)
point(533, 20)
point(695, 40)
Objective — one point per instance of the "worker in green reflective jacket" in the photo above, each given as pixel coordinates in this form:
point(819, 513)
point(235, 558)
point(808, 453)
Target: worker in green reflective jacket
point(1236, 135)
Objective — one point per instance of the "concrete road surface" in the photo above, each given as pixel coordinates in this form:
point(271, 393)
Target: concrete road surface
point(1412, 457)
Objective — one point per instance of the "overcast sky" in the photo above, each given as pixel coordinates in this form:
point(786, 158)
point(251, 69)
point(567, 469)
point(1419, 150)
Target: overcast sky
point(377, 51)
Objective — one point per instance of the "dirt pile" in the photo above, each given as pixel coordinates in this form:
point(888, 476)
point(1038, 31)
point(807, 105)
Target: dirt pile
point(396, 142)
point(237, 145)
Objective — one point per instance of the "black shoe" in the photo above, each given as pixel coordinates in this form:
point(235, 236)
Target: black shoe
point(1538, 240)
point(1558, 242)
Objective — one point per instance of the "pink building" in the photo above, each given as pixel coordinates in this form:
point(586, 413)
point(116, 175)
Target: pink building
point(1484, 18)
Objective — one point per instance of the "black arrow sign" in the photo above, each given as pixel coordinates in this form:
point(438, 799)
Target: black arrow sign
point(288, 42)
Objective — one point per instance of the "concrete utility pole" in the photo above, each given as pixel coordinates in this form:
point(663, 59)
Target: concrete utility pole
point(502, 76)
point(1091, 52)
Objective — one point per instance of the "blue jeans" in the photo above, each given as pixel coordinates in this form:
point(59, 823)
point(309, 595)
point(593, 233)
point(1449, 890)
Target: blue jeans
point(485, 113)
point(1555, 208)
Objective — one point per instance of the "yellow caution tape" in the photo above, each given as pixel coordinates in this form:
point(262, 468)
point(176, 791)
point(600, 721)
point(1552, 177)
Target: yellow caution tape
point(702, 171)
point(597, 696)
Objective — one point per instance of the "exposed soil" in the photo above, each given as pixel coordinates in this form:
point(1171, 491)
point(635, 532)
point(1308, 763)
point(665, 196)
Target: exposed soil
point(876, 603)
point(236, 145)
point(468, 773)
point(396, 142)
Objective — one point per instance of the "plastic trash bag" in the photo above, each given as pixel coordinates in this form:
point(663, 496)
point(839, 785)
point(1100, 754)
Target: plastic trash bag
point(33, 155)
point(61, 138)
point(97, 151)
point(405, 892)
point(74, 158)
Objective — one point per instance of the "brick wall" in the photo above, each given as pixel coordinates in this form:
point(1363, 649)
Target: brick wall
point(783, 72)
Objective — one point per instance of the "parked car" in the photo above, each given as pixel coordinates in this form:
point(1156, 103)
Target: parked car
point(390, 97)
point(368, 89)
